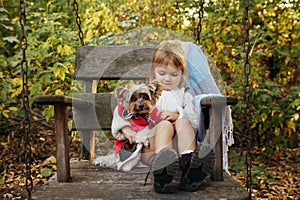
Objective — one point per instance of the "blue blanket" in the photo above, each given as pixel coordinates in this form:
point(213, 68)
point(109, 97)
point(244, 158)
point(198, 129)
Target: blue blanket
point(201, 84)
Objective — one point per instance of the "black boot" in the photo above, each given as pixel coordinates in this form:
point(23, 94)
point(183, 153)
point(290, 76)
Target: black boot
point(164, 166)
point(195, 167)
point(184, 162)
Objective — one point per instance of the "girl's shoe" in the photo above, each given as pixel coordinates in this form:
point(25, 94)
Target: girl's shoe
point(195, 167)
point(164, 166)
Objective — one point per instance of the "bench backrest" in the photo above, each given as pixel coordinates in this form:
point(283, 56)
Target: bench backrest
point(112, 62)
point(106, 63)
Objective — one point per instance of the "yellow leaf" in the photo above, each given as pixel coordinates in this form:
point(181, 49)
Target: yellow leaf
point(57, 72)
point(253, 126)
point(60, 49)
point(231, 63)
point(4, 143)
point(68, 50)
point(5, 113)
point(264, 117)
point(46, 90)
point(58, 92)
point(16, 81)
point(220, 45)
point(16, 92)
point(62, 75)
point(234, 51)
point(277, 131)
point(296, 116)
point(291, 125)
point(96, 18)
point(13, 108)
point(89, 35)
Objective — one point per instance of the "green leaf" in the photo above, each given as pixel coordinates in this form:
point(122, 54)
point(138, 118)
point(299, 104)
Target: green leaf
point(48, 112)
point(60, 70)
point(46, 172)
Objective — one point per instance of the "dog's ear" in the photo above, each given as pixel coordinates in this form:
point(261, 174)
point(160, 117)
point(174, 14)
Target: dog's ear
point(122, 94)
point(155, 89)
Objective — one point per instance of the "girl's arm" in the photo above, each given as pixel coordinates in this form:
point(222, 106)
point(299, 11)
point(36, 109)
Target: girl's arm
point(129, 134)
point(189, 111)
point(170, 115)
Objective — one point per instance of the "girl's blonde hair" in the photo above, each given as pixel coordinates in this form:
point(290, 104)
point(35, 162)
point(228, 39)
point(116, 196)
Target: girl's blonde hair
point(169, 53)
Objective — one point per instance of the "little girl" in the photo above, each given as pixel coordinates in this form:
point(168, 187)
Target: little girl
point(175, 134)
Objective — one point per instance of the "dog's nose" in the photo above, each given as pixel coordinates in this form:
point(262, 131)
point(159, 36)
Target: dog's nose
point(141, 106)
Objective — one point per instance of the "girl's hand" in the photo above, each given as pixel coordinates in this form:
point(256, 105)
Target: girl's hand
point(129, 134)
point(170, 116)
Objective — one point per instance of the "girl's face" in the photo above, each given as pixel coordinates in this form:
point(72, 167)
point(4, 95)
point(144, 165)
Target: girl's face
point(168, 76)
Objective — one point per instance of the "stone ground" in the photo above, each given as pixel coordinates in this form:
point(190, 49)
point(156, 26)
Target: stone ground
point(92, 182)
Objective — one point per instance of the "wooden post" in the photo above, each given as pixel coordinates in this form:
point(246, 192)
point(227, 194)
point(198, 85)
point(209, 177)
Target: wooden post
point(87, 136)
point(92, 136)
point(215, 138)
point(62, 144)
point(87, 145)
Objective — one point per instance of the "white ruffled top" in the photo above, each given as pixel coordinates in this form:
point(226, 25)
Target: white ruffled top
point(179, 101)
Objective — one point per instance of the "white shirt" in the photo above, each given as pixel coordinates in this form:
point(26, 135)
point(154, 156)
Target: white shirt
point(179, 101)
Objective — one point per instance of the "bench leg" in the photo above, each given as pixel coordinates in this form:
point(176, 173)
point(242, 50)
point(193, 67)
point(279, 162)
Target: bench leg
point(62, 144)
point(87, 145)
point(215, 138)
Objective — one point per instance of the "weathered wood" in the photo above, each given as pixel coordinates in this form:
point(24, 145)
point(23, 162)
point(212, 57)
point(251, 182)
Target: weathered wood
point(97, 117)
point(60, 100)
point(93, 182)
point(87, 135)
point(113, 62)
point(209, 101)
point(62, 144)
point(87, 144)
point(215, 139)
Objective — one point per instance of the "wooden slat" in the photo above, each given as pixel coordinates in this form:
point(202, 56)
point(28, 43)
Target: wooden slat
point(95, 111)
point(99, 116)
point(96, 117)
point(113, 62)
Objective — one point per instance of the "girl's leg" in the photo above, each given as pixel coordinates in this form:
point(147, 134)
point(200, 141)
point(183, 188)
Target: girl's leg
point(164, 133)
point(161, 157)
point(195, 163)
point(186, 135)
point(159, 137)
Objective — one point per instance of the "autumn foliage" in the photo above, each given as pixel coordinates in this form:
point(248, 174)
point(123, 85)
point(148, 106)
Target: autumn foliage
point(52, 35)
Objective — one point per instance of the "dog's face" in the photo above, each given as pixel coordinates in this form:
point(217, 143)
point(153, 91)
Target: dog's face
point(139, 99)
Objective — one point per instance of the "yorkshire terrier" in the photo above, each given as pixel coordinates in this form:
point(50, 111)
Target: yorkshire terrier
point(137, 105)
point(139, 100)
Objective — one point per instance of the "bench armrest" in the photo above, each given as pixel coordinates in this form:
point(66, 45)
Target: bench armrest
point(223, 100)
point(61, 100)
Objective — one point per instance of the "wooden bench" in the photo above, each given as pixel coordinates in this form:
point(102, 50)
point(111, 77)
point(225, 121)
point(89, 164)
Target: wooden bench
point(93, 111)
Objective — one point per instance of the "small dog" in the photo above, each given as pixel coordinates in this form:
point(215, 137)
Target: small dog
point(139, 100)
point(137, 105)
